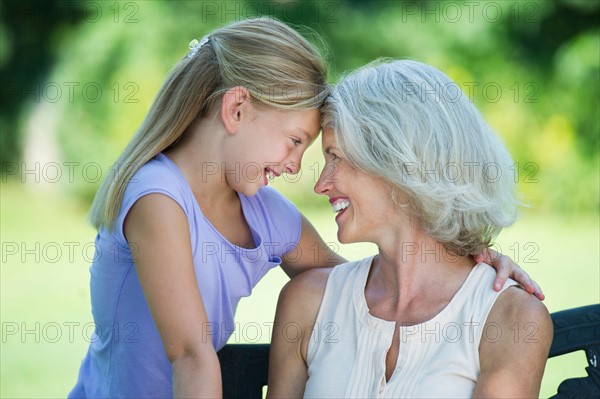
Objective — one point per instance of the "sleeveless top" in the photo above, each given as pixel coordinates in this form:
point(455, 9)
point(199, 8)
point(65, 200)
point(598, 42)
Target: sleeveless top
point(437, 359)
point(126, 357)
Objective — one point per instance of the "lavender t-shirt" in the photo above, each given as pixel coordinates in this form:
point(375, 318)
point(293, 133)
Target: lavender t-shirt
point(126, 357)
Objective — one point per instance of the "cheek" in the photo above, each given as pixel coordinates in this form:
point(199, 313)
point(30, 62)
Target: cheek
point(252, 172)
point(372, 194)
point(279, 150)
point(328, 175)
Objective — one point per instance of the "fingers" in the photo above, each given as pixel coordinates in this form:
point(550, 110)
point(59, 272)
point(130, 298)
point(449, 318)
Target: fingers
point(538, 291)
point(528, 284)
point(500, 279)
point(503, 268)
point(506, 268)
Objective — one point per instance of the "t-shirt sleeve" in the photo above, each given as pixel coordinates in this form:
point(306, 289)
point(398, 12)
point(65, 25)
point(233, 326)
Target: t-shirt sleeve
point(153, 177)
point(282, 219)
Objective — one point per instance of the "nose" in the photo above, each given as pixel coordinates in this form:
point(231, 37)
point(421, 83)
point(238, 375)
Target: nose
point(292, 167)
point(293, 164)
point(325, 182)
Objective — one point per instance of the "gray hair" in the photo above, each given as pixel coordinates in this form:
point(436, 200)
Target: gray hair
point(411, 125)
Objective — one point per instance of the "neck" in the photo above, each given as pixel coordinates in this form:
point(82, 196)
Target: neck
point(412, 268)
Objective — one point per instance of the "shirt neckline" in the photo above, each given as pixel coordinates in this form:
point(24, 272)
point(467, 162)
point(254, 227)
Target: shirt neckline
point(375, 322)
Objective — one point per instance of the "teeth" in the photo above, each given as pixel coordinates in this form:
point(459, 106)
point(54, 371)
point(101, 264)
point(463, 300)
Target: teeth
point(338, 206)
point(271, 175)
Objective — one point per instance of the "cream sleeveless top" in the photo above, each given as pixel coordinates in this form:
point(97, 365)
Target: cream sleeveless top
point(438, 358)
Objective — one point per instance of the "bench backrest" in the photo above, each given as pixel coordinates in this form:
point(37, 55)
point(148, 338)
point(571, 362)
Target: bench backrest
point(244, 367)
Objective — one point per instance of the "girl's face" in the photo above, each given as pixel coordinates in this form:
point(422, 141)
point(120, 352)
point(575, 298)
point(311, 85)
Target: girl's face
point(269, 143)
point(362, 201)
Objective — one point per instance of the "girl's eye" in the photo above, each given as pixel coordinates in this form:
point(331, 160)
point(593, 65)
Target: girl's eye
point(296, 141)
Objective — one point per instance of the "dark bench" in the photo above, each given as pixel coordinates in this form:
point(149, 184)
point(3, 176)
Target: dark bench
point(244, 367)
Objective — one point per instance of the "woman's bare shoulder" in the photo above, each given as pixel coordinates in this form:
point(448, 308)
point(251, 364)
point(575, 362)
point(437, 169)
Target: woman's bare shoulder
point(305, 291)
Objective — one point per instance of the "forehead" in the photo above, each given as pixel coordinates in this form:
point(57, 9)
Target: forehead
point(307, 117)
point(312, 120)
point(327, 138)
point(307, 121)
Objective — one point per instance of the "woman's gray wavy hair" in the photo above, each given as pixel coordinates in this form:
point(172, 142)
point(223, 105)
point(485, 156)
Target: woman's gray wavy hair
point(410, 124)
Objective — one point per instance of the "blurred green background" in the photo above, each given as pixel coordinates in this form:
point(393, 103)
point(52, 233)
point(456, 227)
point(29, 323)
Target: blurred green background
point(78, 77)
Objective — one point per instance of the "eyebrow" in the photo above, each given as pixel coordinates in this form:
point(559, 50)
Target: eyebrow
point(308, 136)
point(309, 139)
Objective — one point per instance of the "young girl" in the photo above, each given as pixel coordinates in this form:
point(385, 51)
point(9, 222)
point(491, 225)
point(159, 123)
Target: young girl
point(188, 227)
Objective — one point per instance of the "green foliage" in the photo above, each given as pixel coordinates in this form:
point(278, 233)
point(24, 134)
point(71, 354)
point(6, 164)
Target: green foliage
point(532, 67)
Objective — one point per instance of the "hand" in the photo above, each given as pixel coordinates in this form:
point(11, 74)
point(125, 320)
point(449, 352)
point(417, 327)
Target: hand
point(505, 268)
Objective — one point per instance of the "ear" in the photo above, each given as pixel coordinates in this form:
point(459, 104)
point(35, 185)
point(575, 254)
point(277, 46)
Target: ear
point(235, 104)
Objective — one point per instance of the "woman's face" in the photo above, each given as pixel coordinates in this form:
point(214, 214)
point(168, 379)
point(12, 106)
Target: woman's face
point(269, 143)
point(362, 202)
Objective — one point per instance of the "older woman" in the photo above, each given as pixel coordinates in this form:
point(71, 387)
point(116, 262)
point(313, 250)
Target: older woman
point(412, 167)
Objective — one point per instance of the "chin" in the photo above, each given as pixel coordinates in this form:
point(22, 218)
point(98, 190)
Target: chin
point(344, 239)
point(248, 190)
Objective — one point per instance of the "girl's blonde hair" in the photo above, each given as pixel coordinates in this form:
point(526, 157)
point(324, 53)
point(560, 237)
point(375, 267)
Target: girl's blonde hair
point(411, 125)
point(278, 66)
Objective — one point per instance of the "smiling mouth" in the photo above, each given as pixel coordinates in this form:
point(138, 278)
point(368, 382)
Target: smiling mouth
point(339, 206)
point(269, 176)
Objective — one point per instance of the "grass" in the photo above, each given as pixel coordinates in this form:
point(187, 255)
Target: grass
point(44, 282)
